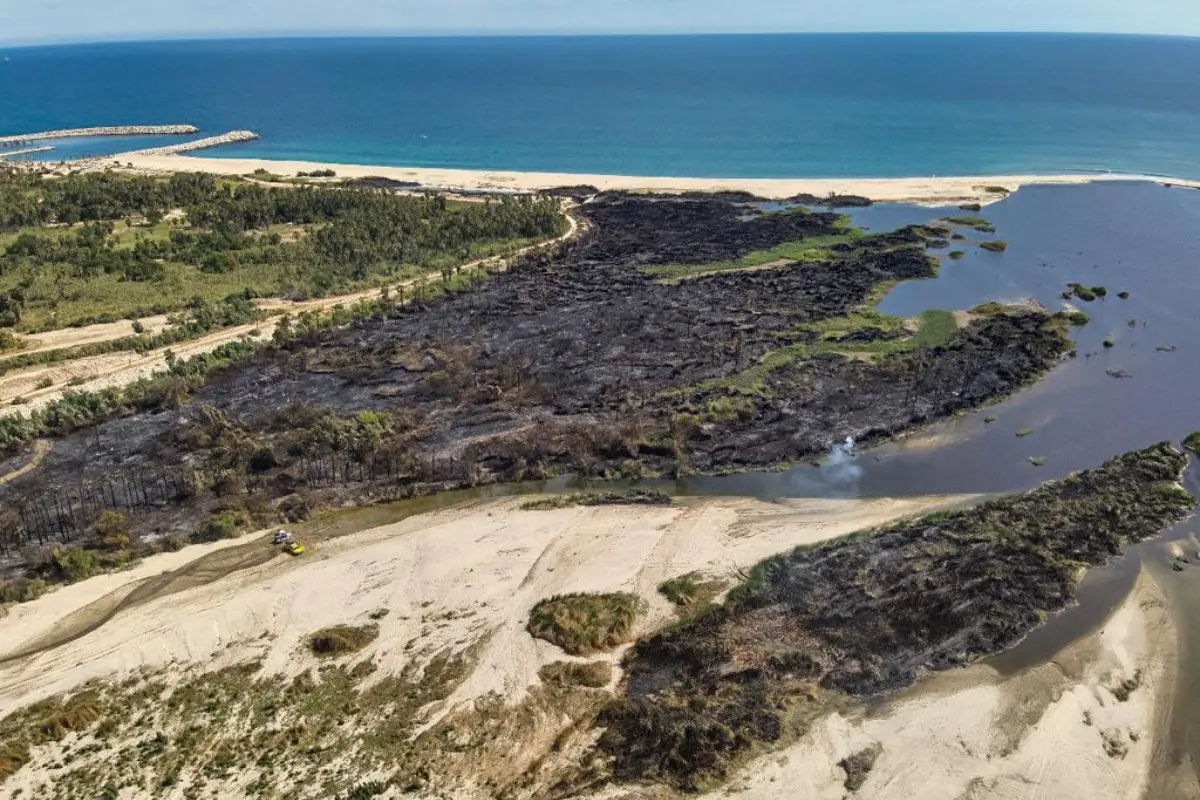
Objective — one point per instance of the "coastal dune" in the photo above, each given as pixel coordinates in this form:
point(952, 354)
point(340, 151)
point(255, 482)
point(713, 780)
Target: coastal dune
point(1083, 725)
point(919, 190)
point(464, 580)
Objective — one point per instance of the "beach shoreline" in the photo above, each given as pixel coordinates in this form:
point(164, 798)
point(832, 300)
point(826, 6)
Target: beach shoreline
point(949, 190)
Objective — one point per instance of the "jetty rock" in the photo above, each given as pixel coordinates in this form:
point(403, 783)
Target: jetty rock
point(117, 130)
point(197, 144)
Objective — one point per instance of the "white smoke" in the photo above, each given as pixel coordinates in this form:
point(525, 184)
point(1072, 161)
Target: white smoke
point(841, 467)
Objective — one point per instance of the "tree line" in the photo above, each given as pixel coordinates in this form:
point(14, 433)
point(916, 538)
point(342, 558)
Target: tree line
point(345, 236)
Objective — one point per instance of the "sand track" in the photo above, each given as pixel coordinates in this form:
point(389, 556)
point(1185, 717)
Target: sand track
point(117, 369)
point(452, 578)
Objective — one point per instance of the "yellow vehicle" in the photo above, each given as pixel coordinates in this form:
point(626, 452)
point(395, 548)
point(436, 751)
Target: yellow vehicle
point(295, 548)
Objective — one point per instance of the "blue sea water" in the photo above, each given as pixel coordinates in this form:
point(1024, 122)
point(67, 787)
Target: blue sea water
point(761, 106)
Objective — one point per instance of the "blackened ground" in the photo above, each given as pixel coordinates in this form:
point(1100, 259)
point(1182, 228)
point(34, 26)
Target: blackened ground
point(580, 362)
point(863, 614)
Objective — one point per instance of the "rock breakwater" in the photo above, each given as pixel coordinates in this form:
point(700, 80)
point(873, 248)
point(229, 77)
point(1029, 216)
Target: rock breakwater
point(199, 144)
point(118, 130)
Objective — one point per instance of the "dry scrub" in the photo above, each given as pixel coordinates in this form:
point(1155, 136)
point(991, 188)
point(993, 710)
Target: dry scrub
point(863, 614)
point(593, 674)
point(583, 624)
point(340, 640)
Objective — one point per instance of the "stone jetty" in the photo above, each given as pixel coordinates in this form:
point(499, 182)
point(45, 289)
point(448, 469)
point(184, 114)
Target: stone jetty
point(118, 130)
point(198, 144)
point(24, 152)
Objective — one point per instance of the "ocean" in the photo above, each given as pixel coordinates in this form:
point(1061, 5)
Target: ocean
point(703, 106)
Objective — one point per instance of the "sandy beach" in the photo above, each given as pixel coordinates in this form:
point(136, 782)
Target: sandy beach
point(464, 580)
point(933, 190)
point(1064, 729)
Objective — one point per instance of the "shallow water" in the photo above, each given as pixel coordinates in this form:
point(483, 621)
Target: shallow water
point(1136, 237)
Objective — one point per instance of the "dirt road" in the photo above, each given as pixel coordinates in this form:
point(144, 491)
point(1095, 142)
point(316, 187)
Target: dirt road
point(117, 369)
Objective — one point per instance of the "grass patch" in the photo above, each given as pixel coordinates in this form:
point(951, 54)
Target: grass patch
point(1109, 342)
point(340, 640)
point(583, 624)
point(690, 592)
point(935, 328)
point(1078, 318)
point(1021, 434)
point(957, 255)
point(593, 675)
point(815, 248)
point(13, 756)
point(978, 223)
point(866, 332)
point(1085, 293)
point(1192, 442)
point(166, 728)
point(994, 246)
point(633, 497)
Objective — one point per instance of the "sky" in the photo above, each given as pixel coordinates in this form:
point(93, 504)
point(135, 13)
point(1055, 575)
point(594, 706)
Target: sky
point(35, 21)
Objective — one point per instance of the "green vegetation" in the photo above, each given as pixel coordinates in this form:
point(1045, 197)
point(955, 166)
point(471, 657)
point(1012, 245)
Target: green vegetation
point(341, 640)
point(990, 309)
point(935, 328)
point(816, 248)
point(691, 592)
point(867, 332)
point(997, 190)
point(190, 730)
point(583, 624)
point(74, 564)
point(75, 410)
point(643, 497)
point(593, 674)
point(227, 524)
point(100, 247)
point(957, 255)
point(1021, 434)
point(1109, 342)
point(995, 246)
point(978, 223)
point(1085, 293)
point(171, 387)
point(1037, 461)
point(200, 318)
point(1078, 318)
point(1192, 442)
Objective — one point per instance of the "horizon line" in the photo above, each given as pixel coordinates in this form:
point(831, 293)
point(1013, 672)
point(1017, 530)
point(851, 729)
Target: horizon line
point(20, 44)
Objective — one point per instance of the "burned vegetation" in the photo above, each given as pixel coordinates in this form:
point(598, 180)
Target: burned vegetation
point(864, 614)
point(583, 361)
